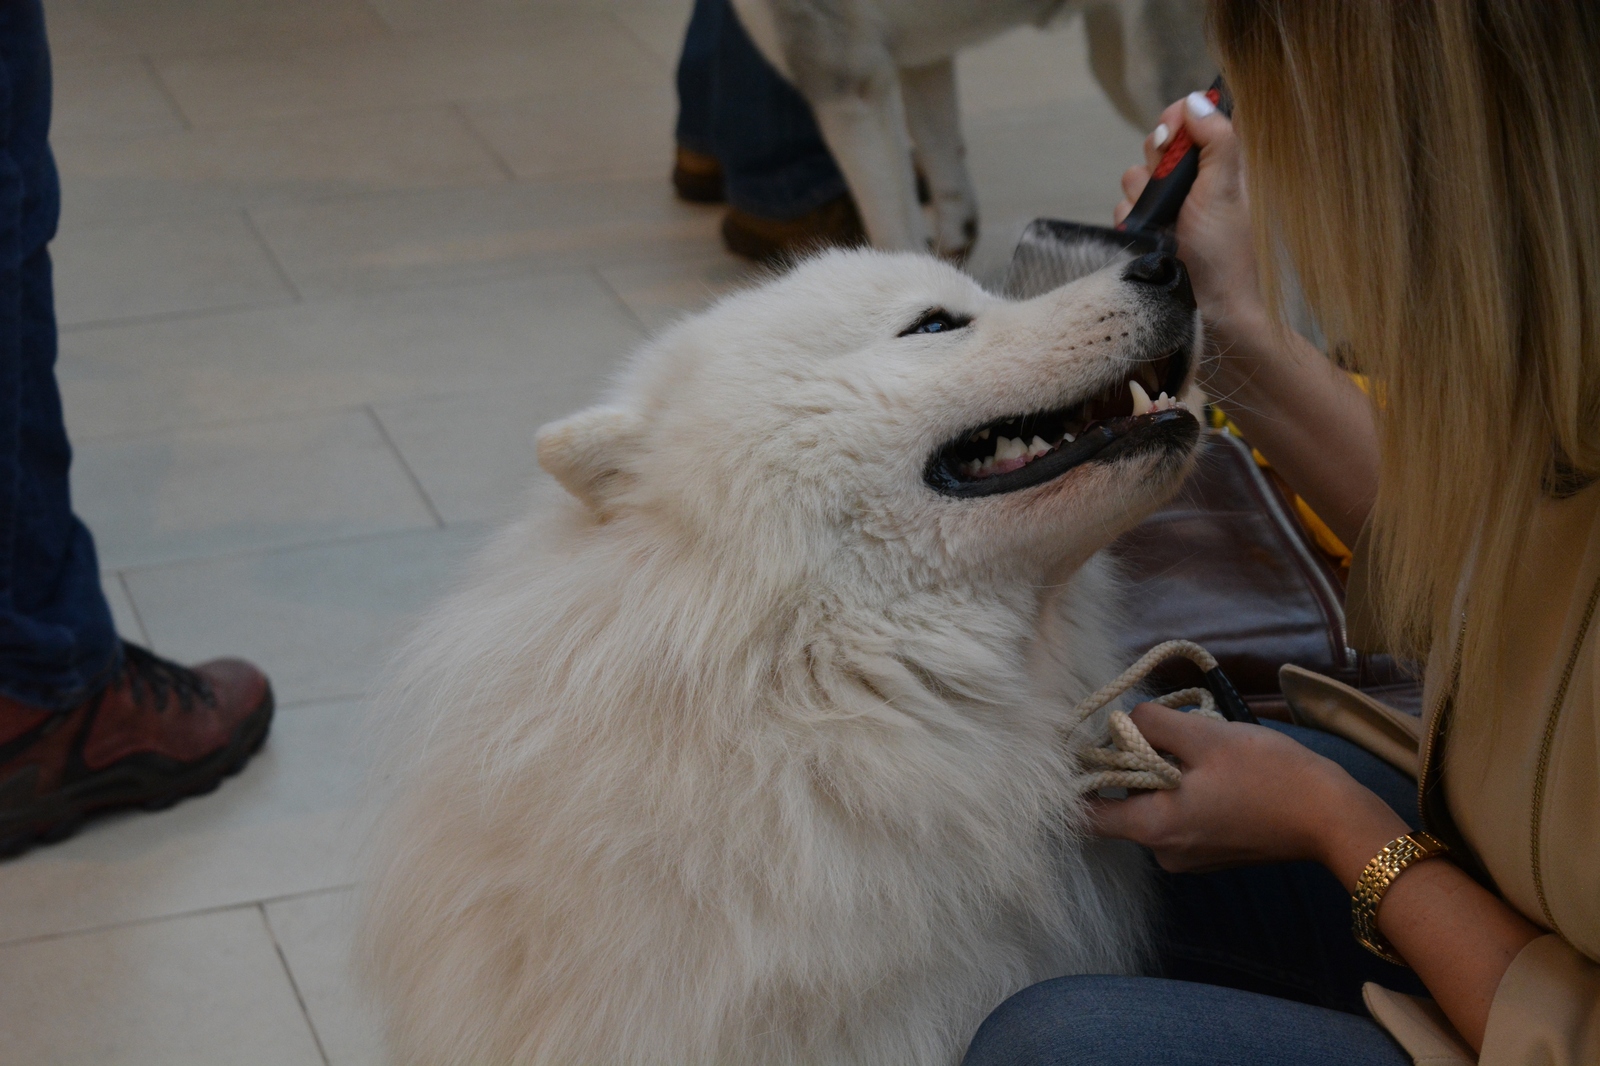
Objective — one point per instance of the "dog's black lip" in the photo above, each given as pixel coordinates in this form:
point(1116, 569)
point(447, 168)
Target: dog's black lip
point(1103, 441)
point(1116, 438)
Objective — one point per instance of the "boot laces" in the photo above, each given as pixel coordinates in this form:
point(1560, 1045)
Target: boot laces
point(161, 678)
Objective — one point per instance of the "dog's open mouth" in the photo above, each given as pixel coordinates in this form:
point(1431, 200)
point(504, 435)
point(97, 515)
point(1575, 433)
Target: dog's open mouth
point(1138, 412)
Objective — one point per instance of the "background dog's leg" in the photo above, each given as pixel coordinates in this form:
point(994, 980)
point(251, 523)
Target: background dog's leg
point(866, 131)
point(934, 119)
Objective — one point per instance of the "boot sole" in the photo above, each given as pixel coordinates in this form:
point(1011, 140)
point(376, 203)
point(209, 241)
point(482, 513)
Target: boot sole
point(141, 782)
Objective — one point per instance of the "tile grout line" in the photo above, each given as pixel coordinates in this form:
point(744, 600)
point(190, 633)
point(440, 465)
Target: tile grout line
point(272, 256)
point(138, 619)
point(483, 142)
point(119, 436)
point(466, 525)
point(152, 919)
point(294, 986)
point(639, 42)
point(166, 92)
point(89, 325)
point(611, 290)
point(416, 482)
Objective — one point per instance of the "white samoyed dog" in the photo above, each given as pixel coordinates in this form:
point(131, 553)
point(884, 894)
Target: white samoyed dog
point(749, 748)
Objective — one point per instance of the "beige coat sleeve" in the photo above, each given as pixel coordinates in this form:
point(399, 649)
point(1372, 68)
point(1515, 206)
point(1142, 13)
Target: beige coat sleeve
point(1546, 1011)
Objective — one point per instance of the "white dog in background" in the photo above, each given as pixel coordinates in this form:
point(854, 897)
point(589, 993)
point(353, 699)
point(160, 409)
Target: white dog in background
point(880, 77)
point(748, 748)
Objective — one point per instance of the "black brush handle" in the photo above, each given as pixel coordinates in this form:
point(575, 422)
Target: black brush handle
point(1174, 176)
point(1229, 703)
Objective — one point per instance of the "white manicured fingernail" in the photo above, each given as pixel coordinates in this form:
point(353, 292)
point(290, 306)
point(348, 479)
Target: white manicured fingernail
point(1198, 105)
point(1160, 135)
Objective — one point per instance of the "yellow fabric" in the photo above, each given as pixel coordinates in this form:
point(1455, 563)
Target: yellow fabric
point(1326, 539)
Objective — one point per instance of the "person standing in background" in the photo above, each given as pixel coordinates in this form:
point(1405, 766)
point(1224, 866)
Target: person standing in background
point(89, 723)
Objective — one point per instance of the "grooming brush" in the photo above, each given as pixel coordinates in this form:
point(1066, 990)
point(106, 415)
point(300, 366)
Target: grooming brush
point(1053, 252)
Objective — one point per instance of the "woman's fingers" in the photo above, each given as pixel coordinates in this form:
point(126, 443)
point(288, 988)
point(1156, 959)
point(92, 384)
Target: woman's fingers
point(1207, 126)
point(1172, 731)
point(1171, 122)
point(1123, 819)
point(1133, 183)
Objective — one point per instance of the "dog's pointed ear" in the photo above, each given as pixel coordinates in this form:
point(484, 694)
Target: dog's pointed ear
point(590, 453)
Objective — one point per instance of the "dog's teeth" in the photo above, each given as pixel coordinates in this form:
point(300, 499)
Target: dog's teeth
point(1141, 399)
point(1008, 448)
point(1037, 447)
point(1069, 438)
point(983, 434)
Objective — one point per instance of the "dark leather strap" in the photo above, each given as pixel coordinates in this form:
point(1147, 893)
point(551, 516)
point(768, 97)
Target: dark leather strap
point(1227, 565)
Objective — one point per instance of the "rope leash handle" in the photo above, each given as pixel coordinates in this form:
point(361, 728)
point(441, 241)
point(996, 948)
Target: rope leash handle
point(1128, 760)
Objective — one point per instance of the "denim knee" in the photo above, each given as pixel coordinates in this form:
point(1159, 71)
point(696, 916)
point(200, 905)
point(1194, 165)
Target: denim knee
point(1065, 1021)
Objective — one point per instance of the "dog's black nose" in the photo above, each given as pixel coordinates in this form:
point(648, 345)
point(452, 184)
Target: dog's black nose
point(1165, 272)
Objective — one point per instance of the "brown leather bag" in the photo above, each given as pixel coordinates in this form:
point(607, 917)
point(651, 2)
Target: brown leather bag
point(1228, 565)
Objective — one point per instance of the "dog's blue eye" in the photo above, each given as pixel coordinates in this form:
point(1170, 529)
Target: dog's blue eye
point(937, 320)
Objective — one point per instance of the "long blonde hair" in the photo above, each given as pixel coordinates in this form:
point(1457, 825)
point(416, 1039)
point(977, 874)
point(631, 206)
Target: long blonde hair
point(1432, 169)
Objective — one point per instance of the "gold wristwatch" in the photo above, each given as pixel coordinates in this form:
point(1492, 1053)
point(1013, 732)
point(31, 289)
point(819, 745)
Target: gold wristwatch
point(1375, 880)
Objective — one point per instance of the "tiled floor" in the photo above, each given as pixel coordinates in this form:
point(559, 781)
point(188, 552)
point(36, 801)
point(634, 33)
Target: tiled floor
point(324, 266)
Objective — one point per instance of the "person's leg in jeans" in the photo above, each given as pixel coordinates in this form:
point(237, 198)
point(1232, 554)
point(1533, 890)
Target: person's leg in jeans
point(82, 727)
point(1257, 964)
point(783, 188)
point(57, 643)
point(1097, 1020)
point(696, 171)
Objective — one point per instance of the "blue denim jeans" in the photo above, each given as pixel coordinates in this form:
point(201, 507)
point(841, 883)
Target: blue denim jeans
point(57, 642)
point(1257, 967)
point(734, 106)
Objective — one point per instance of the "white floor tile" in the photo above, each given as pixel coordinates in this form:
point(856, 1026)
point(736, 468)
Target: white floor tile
point(509, 332)
point(474, 454)
point(105, 178)
point(75, 34)
point(659, 294)
point(292, 821)
point(617, 133)
point(219, 489)
point(161, 266)
point(316, 934)
point(108, 96)
point(658, 24)
point(322, 620)
point(234, 88)
point(169, 27)
point(451, 236)
point(204, 990)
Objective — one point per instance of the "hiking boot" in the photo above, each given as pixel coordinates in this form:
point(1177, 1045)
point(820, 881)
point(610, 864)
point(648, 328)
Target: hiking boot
point(697, 177)
point(157, 733)
point(834, 224)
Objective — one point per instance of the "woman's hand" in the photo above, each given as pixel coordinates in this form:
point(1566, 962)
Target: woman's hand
point(1302, 412)
point(1252, 795)
point(1214, 236)
point(1249, 795)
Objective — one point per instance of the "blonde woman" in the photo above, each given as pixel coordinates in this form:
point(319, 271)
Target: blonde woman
point(1431, 169)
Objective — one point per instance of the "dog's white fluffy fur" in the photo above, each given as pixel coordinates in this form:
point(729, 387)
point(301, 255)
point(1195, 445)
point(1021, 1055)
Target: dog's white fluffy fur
point(747, 747)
